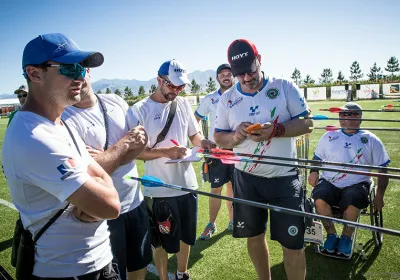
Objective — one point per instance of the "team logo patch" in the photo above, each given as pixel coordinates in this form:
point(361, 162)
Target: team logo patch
point(293, 230)
point(272, 93)
point(236, 102)
point(333, 138)
point(66, 168)
point(364, 140)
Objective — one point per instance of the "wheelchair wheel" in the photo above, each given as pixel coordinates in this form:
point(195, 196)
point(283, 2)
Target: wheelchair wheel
point(376, 220)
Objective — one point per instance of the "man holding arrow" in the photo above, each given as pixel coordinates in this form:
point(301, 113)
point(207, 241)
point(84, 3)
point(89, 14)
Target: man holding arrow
point(273, 106)
point(348, 191)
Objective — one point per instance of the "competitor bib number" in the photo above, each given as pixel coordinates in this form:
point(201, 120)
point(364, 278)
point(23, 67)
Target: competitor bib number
point(314, 234)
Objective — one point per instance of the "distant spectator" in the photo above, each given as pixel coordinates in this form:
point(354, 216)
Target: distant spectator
point(22, 94)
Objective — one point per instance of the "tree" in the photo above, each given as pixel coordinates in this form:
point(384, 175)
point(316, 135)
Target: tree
point(340, 77)
point(195, 87)
point(182, 93)
point(117, 92)
point(108, 91)
point(152, 89)
point(98, 92)
point(308, 80)
point(296, 76)
point(326, 76)
point(211, 86)
point(141, 91)
point(392, 66)
point(373, 74)
point(355, 72)
point(128, 93)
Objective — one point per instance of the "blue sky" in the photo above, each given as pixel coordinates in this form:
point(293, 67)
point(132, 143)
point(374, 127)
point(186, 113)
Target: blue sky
point(136, 37)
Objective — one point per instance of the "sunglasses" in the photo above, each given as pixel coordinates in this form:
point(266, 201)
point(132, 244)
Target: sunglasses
point(73, 71)
point(22, 95)
point(171, 86)
point(348, 114)
point(249, 74)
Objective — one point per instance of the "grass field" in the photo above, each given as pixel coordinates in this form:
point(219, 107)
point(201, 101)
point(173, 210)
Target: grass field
point(223, 257)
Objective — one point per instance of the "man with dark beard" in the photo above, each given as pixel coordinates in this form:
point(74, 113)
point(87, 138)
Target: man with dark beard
point(219, 173)
point(275, 105)
point(100, 121)
point(174, 212)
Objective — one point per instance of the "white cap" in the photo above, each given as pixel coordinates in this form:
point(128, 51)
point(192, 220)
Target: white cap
point(175, 71)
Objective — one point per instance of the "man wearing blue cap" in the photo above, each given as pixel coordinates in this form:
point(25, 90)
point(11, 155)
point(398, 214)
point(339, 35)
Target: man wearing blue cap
point(173, 212)
point(62, 194)
point(219, 173)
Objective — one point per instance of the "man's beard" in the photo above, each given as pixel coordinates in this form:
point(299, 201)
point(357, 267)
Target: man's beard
point(168, 96)
point(225, 87)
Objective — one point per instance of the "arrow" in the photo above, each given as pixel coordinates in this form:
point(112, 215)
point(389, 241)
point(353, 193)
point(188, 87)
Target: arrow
point(333, 128)
point(390, 106)
point(150, 181)
point(339, 110)
point(324, 118)
point(227, 155)
point(349, 171)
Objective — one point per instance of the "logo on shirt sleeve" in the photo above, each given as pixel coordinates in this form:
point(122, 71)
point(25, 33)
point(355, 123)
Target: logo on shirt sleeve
point(66, 168)
point(272, 93)
point(364, 140)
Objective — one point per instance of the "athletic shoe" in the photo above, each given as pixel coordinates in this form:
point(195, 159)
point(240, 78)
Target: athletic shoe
point(186, 276)
point(344, 246)
point(208, 231)
point(230, 225)
point(330, 243)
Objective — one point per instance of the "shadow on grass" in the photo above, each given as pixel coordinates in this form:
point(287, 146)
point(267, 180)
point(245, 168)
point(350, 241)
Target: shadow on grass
point(196, 250)
point(5, 244)
point(323, 267)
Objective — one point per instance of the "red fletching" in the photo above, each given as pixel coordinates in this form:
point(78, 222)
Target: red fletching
point(335, 110)
point(220, 151)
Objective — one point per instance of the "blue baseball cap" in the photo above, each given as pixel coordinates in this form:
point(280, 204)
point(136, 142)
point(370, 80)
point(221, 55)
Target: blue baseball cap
point(175, 71)
point(58, 48)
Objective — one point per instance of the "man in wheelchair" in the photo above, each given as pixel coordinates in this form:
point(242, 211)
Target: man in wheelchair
point(349, 192)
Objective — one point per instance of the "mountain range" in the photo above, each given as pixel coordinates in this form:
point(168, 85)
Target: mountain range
point(201, 77)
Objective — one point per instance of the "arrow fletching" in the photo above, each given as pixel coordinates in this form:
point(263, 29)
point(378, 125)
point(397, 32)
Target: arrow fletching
point(150, 181)
point(319, 117)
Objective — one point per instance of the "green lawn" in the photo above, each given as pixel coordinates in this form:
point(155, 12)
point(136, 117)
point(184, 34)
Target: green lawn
point(223, 257)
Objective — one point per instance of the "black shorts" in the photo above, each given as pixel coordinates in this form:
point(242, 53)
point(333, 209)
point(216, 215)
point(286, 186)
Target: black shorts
point(251, 221)
point(356, 195)
point(109, 272)
point(184, 215)
point(220, 173)
point(130, 240)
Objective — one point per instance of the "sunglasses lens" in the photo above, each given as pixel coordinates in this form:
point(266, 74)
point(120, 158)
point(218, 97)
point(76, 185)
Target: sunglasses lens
point(349, 114)
point(73, 71)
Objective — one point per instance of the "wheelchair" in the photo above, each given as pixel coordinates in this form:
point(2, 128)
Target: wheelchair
point(314, 228)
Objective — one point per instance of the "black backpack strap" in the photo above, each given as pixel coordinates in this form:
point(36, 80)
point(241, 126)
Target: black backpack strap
point(49, 223)
point(58, 214)
point(170, 118)
point(105, 116)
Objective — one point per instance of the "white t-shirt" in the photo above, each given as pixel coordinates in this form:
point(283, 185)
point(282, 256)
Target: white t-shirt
point(90, 125)
point(153, 116)
point(362, 147)
point(279, 101)
point(209, 106)
point(43, 168)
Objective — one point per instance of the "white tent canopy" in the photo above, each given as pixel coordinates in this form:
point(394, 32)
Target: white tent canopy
point(9, 101)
